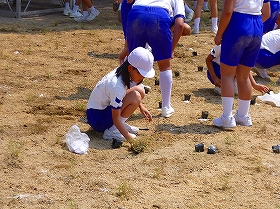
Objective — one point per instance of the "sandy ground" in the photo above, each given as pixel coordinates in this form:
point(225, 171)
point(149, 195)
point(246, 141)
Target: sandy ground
point(50, 64)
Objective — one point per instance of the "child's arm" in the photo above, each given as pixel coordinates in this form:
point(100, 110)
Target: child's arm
point(224, 20)
point(178, 30)
point(217, 81)
point(256, 86)
point(265, 11)
point(145, 112)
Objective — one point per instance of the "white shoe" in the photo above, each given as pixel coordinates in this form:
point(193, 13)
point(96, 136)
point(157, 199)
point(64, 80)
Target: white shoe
point(244, 121)
point(146, 88)
point(67, 12)
point(217, 90)
point(206, 9)
point(167, 112)
point(92, 15)
point(80, 19)
point(189, 16)
point(261, 72)
point(113, 135)
point(131, 129)
point(75, 14)
point(224, 122)
point(195, 31)
point(147, 46)
point(214, 30)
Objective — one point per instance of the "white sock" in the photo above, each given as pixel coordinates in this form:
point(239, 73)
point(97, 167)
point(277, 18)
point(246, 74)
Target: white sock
point(92, 9)
point(85, 13)
point(123, 119)
point(196, 23)
point(243, 107)
point(187, 9)
point(227, 103)
point(214, 22)
point(194, 4)
point(75, 8)
point(165, 82)
point(205, 4)
point(67, 6)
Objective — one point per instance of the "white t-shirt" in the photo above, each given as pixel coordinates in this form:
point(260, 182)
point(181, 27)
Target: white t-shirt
point(216, 53)
point(271, 41)
point(252, 7)
point(110, 90)
point(174, 7)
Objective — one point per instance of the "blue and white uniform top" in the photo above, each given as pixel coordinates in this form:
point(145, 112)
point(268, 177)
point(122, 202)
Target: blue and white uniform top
point(252, 7)
point(109, 91)
point(216, 54)
point(174, 8)
point(271, 41)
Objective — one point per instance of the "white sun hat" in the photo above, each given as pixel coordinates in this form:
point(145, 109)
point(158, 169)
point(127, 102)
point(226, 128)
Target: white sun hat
point(143, 60)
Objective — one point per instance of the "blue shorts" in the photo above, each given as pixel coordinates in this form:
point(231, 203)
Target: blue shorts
point(150, 25)
point(241, 40)
point(217, 71)
point(268, 25)
point(100, 120)
point(125, 9)
point(266, 59)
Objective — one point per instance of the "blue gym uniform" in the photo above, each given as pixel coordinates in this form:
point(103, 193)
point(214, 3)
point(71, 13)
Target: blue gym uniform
point(107, 94)
point(269, 54)
point(149, 22)
point(125, 9)
point(242, 39)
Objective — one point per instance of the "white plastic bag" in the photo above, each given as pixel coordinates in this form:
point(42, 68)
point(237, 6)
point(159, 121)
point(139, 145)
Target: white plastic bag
point(76, 141)
point(271, 97)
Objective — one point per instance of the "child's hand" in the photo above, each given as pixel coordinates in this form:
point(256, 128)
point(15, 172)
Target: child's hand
point(146, 113)
point(262, 88)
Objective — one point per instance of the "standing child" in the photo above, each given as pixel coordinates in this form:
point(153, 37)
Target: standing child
point(117, 95)
point(149, 22)
point(214, 16)
point(240, 32)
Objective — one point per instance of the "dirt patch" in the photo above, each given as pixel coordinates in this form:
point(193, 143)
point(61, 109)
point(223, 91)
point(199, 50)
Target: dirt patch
point(50, 64)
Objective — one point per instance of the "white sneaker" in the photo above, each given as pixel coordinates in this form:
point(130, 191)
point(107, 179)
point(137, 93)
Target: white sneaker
point(147, 46)
point(195, 31)
point(80, 19)
point(224, 122)
point(167, 112)
point(146, 88)
point(261, 72)
point(189, 16)
point(131, 129)
point(206, 9)
point(67, 12)
point(75, 14)
point(214, 30)
point(217, 90)
point(244, 121)
point(113, 135)
point(92, 15)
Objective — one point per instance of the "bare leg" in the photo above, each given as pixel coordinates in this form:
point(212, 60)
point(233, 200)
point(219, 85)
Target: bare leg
point(132, 100)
